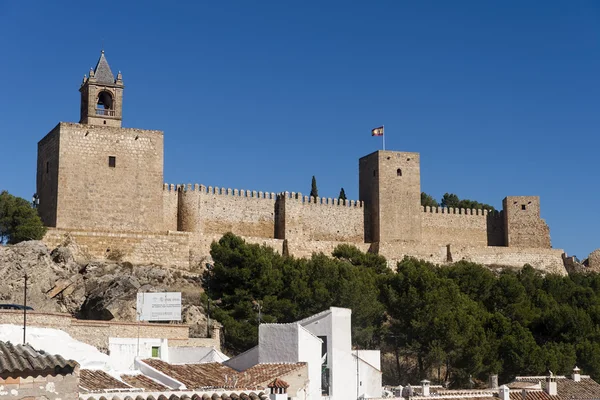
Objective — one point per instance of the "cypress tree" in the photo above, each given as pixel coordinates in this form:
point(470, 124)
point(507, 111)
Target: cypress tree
point(314, 192)
point(342, 195)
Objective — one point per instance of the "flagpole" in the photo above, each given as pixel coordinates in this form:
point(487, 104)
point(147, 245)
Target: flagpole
point(383, 136)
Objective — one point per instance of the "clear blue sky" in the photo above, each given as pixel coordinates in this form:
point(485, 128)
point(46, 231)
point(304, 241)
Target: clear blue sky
point(500, 98)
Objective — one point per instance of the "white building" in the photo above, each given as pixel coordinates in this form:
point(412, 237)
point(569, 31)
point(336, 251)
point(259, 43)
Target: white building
point(324, 342)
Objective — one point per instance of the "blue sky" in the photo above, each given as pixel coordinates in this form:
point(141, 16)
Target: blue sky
point(500, 98)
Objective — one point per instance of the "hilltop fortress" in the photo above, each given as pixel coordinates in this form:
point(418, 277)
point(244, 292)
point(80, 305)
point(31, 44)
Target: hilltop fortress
point(101, 185)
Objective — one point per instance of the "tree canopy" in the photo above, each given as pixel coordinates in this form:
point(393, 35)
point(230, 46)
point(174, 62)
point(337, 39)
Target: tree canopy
point(452, 200)
point(446, 324)
point(19, 221)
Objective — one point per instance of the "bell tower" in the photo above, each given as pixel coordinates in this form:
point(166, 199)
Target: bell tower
point(101, 96)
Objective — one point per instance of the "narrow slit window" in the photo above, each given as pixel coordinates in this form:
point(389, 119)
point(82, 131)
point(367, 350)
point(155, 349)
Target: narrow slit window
point(47, 166)
point(398, 172)
point(112, 161)
point(523, 207)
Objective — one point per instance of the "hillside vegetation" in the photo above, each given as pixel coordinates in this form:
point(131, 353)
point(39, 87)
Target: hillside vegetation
point(446, 324)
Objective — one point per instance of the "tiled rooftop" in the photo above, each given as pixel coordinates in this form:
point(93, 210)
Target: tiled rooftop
point(531, 395)
point(98, 381)
point(567, 388)
point(19, 359)
point(195, 396)
point(216, 375)
point(144, 382)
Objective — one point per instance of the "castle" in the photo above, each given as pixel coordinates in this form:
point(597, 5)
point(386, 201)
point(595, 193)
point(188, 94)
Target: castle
point(101, 185)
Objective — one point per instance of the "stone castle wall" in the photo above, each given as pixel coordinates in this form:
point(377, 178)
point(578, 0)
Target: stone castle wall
point(171, 249)
point(193, 250)
point(320, 219)
point(246, 213)
point(441, 225)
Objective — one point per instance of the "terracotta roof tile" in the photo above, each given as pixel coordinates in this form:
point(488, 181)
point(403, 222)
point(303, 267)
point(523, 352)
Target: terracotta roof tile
point(195, 396)
point(91, 380)
point(217, 375)
point(532, 395)
point(24, 358)
point(262, 374)
point(143, 382)
point(278, 384)
point(568, 389)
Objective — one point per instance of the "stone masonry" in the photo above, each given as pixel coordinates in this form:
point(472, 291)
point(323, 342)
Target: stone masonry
point(103, 185)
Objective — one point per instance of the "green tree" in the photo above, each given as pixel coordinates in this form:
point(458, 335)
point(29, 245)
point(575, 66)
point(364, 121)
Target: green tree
point(342, 195)
point(287, 289)
point(19, 221)
point(427, 200)
point(314, 192)
point(451, 200)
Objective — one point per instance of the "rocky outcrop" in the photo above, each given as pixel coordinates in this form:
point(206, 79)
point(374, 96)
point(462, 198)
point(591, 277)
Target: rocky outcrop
point(59, 282)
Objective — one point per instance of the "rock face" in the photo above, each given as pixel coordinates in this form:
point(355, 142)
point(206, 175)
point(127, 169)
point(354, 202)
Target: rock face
point(93, 290)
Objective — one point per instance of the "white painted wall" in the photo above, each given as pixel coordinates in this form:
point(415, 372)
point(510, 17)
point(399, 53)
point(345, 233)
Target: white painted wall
point(278, 343)
point(123, 351)
point(373, 357)
point(195, 355)
point(243, 361)
point(309, 351)
point(370, 380)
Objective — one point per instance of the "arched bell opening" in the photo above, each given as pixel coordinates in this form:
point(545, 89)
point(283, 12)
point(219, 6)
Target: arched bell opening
point(105, 104)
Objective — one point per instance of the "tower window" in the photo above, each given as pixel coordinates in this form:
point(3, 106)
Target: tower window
point(523, 207)
point(398, 172)
point(375, 172)
point(112, 161)
point(47, 166)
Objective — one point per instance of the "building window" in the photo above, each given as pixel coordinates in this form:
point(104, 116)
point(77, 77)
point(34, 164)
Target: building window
point(375, 172)
point(47, 166)
point(155, 351)
point(398, 172)
point(523, 207)
point(112, 161)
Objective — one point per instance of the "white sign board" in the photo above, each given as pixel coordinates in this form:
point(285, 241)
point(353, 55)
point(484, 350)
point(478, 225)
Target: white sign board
point(159, 306)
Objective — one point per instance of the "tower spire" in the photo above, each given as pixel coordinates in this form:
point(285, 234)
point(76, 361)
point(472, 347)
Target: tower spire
point(102, 95)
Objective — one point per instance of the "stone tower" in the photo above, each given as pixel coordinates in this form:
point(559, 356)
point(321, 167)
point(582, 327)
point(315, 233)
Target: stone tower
point(101, 96)
point(523, 226)
point(96, 175)
point(390, 186)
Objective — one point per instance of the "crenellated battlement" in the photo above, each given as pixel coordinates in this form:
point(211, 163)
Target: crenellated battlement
point(219, 191)
point(459, 211)
point(307, 200)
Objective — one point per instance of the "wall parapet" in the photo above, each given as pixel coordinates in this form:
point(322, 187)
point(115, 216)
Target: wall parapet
point(320, 200)
point(458, 211)
point(202, 189)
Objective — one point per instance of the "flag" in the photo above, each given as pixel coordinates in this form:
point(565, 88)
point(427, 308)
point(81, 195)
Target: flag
point(377, 131)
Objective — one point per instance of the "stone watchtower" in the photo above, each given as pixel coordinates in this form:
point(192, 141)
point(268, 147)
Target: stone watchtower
point(102, 96)
point(390, 186)
point(96, 175)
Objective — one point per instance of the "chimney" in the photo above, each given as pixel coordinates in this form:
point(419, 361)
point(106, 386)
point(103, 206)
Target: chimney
point(524, 394)
point(493, 382)
point(551, 385)
point(576, 376)
point(504, 392)
point(425, 388)
point(278, 389)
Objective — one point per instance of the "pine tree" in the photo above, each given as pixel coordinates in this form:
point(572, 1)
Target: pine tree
point(314, 192)
point(342, 195)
